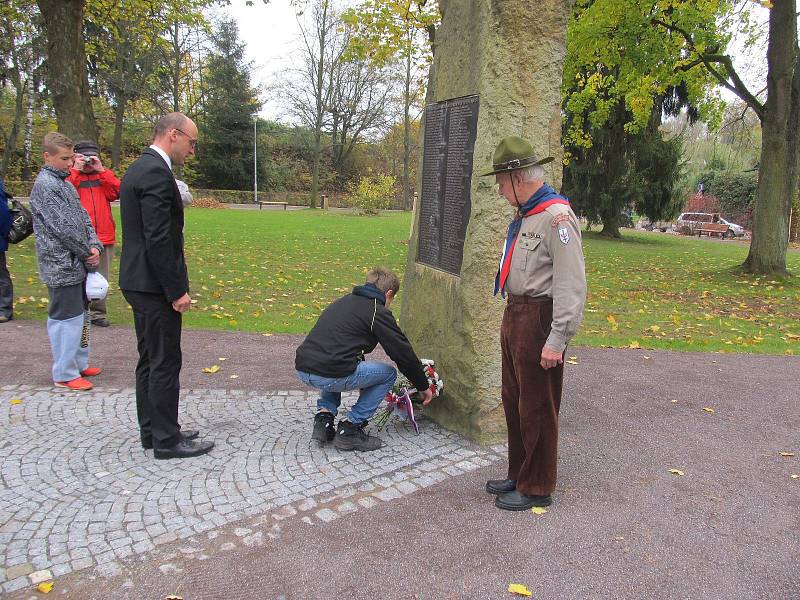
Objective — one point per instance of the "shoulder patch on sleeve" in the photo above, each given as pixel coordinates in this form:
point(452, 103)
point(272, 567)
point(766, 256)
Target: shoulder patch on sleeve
point(563, 235)
point(560, 219)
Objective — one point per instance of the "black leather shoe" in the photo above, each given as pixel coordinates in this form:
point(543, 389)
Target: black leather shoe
point(184, 449)
point(186, 434)
point(501, 486)
point(351, 436)
point(101, 322)
point(516, 500)
point(324, 431)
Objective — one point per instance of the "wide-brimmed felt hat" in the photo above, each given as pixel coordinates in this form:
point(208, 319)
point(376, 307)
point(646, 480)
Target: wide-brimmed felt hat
point(87, 148)
point(512, 154)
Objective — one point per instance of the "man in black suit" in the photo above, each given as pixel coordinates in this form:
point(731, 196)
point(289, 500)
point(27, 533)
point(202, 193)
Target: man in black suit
point(154, 281)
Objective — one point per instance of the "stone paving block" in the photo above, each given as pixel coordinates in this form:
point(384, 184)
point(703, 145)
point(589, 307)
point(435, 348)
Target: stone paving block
point(61, 569)
point(257, 539)
point(38, 577)
point(406, 487)
point(306, 505)
point(368, 502)
point(141, 509)
point(346, 507)
point(15, 584)
point(110, 568)
point(82, 563)
point(388, 494)
point(326, 514)
point(466, 465)
point(21, 570)
point(164, 538)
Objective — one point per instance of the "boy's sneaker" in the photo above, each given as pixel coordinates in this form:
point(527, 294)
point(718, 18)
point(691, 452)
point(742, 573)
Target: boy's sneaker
point(78, 384)
point(91, 371)
point(350, 436)
point(324, 431)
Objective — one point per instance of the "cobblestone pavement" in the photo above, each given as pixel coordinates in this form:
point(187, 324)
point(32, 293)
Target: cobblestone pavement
point(79, 491)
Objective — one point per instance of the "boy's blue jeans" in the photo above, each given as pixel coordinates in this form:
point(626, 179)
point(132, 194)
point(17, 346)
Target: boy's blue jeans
point(373, 379)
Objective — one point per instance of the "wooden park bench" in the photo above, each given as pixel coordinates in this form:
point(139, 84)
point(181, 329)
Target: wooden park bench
point(261, 204)
point(711, 229)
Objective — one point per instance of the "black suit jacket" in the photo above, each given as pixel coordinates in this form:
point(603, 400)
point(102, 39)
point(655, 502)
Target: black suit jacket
point(152, 229)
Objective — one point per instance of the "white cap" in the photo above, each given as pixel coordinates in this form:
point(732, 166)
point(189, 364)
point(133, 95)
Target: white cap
point(96, 286)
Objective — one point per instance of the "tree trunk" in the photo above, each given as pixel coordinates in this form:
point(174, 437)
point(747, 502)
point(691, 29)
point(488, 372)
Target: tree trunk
point(11, 142)
point(67, 79)
point(28, 143)
point(119, 120)
point(610, 224)
point(407, 127)
point(15, 74)
point(315, 169)
point(176, 68)
point(319, 91)
point(777, 175)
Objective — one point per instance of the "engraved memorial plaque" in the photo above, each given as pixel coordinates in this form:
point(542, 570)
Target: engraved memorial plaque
point(450, 131)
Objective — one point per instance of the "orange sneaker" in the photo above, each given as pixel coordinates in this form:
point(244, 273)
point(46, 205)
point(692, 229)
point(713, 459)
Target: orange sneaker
point(78, 384)
point(91, 371)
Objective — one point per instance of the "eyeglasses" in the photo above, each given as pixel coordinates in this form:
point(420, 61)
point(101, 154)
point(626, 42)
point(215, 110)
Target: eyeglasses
point(192, 141)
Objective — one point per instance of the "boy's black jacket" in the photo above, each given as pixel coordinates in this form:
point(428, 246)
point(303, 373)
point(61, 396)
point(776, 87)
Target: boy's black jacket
point(350, 328)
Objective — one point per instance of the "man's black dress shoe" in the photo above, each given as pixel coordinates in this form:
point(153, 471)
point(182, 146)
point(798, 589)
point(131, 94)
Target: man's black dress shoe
point(184, 449)
point(101, 322)
point(186, 434)
point(501, 486)
point(516, 500)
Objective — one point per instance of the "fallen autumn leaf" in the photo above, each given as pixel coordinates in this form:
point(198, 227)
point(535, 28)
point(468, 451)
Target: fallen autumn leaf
point(519, 589)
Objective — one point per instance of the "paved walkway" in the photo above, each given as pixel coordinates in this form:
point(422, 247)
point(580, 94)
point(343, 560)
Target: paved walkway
point(268, 514)
point(79, 491)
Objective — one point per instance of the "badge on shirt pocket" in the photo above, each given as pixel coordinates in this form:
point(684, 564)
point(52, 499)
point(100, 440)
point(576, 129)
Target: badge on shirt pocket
point(528, 244)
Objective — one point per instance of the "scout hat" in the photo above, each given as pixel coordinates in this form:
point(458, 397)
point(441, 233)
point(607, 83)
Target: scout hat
point(512, 154)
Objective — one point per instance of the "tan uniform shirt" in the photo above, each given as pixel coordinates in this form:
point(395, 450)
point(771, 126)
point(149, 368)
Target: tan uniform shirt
point(548, 262)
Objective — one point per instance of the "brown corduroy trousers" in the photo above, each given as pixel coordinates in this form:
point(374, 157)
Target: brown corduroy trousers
point(531, 395)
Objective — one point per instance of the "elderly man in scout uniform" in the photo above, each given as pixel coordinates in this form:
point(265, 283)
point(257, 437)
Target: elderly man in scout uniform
point(542, 273)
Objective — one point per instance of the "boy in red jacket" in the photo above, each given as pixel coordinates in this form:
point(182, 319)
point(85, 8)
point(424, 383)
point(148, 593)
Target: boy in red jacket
point(97, 188)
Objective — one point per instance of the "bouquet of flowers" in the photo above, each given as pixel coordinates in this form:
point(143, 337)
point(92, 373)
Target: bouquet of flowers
point(403, 399)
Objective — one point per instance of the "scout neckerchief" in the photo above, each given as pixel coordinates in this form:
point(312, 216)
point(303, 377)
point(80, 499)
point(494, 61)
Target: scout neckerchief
point(545, 196)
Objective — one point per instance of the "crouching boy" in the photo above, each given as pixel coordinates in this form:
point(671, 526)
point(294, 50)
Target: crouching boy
point(331, 359)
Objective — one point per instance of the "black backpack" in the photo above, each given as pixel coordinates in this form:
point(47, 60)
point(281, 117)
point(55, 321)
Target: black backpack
point(21, 217)
point(21, 222)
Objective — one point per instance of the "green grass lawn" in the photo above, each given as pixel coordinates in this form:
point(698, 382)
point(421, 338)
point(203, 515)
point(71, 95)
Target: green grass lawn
point(274, 271)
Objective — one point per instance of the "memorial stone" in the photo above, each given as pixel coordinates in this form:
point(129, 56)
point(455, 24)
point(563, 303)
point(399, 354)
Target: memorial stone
point(496, 72)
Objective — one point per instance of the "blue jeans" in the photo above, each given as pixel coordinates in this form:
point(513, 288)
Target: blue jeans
point(373, 379)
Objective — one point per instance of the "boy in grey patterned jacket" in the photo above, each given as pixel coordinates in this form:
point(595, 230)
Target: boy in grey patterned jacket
point(66, 248)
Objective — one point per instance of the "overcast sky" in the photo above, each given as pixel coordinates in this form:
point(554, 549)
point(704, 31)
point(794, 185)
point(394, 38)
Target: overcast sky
point(271, 33)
